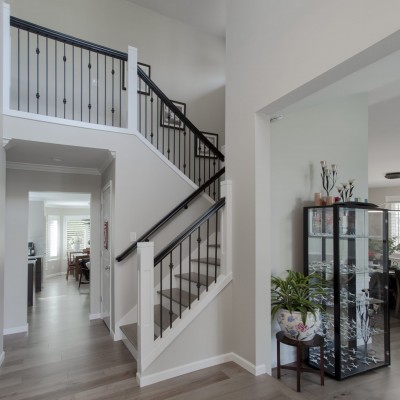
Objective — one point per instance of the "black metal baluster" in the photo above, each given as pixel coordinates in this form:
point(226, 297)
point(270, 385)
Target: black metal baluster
point(145, 112)
point(157, 124)
point(37, 74)
point(73, 82)
point(209, 175)
point(171, 266)
point(184, 151)
point(200, 144)
point(216, 244)
point(204, 165)
point(208, 251)
point(174, 139)
point(120, 93)
point(105, 90)
point(19, 69)
point(198, 263)
point(97, 87)
point(161, 322)
point(190, 267)
point(180, 280)
point(47, 76)
point(151, 117)
point(55, 78)
point(81, 85)
point(214, 192)
point(140, 113)
point(90, 84)
point(112, 92)
point(194, 159)
point(169, 137)
point(179, 151)
point(65, 62)
point(28, 69)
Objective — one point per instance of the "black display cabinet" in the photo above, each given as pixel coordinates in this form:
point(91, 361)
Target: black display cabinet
point(347, 243)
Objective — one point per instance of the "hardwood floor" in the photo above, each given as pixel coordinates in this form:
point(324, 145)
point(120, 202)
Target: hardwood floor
point(65, 356)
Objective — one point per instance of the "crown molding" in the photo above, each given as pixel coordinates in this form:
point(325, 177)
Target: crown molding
point(52, 168)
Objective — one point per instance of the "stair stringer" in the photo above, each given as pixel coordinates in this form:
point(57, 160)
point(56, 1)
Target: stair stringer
point(188, 316)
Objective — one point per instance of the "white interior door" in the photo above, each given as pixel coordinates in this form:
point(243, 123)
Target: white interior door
point(106, 254)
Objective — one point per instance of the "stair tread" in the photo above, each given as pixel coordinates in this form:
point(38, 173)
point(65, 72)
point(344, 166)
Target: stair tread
point(175, 296)
point(165, 316)
point(130, 331)
point(194, 278)
point(211, 260)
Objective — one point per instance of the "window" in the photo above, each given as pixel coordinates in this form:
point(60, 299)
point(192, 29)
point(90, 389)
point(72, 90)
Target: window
point(394, 224)
point(77, 233)
point(53, 236)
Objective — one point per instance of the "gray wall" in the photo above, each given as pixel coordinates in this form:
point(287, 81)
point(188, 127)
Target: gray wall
point(274, 54)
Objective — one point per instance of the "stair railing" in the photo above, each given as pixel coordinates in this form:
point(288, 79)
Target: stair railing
point(61, 76)
point(183, 247)
point(58, 75)
point(201, 256)
point(206, 187)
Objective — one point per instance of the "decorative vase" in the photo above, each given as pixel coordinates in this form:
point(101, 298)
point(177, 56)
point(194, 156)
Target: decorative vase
point(292, 325)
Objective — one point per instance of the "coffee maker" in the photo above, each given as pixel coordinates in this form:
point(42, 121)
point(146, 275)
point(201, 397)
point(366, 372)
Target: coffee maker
point(31, 249)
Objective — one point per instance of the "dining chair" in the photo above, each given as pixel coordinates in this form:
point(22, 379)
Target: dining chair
point(71, 264)
point(84, 271)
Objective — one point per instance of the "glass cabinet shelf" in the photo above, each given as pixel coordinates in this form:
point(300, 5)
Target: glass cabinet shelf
point(346, 244)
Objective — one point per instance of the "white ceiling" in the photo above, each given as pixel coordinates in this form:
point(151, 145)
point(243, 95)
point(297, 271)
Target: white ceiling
point(207, 15)
point(62, 199)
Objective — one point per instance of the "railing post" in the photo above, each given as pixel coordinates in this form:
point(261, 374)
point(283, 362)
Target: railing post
point(6, 54)
point(145, 263)
point(226, 228)
point(132, 89)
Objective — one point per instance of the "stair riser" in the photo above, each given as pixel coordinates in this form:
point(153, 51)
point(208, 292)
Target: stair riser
point(203, 268)
point(175, 305)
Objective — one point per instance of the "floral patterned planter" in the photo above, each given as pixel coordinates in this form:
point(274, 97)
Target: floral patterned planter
point(293, 327)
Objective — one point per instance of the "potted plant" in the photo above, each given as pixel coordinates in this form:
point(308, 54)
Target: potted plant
point(296, 303)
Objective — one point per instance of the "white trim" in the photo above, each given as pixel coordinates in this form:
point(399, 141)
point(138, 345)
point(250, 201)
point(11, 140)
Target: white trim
point(52, 168)
point(2, 357)
point(62, 121)
point(94, 316)
point(248, 366)
point(16, 329)
point(184, 369)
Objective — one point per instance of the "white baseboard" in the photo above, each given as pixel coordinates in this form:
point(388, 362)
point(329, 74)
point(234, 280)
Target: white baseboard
point(16, 329)
point(2, 357)
point(248, 366)
point(184, 369)
point(94, 316)
point(196, 366)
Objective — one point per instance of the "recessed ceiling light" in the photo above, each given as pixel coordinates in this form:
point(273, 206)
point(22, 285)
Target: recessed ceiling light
point(57, 159)
point(392, 175)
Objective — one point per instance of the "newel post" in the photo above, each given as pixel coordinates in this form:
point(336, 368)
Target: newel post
point(131, 87)
point(226, 228)
point(6, 56)
point(145, 258)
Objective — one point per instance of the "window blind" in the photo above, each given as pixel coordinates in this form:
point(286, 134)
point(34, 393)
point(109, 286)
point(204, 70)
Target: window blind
point(78, 234)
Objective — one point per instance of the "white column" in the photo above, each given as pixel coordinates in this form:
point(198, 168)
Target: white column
point(6, 54)
point(226, 228)
point(145, 263)
point(132, 89)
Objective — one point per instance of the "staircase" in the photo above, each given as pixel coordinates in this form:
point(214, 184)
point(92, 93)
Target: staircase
point(188, 274)
point(187, 287)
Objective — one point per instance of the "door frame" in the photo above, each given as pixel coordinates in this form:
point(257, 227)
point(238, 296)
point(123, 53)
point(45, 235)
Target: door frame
point(107, 186)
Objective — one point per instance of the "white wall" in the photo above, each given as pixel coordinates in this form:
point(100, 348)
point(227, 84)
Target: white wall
point(187, 65)
point(18, 184)
point(299, 142)
point(272, 50)
point(37, 226)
